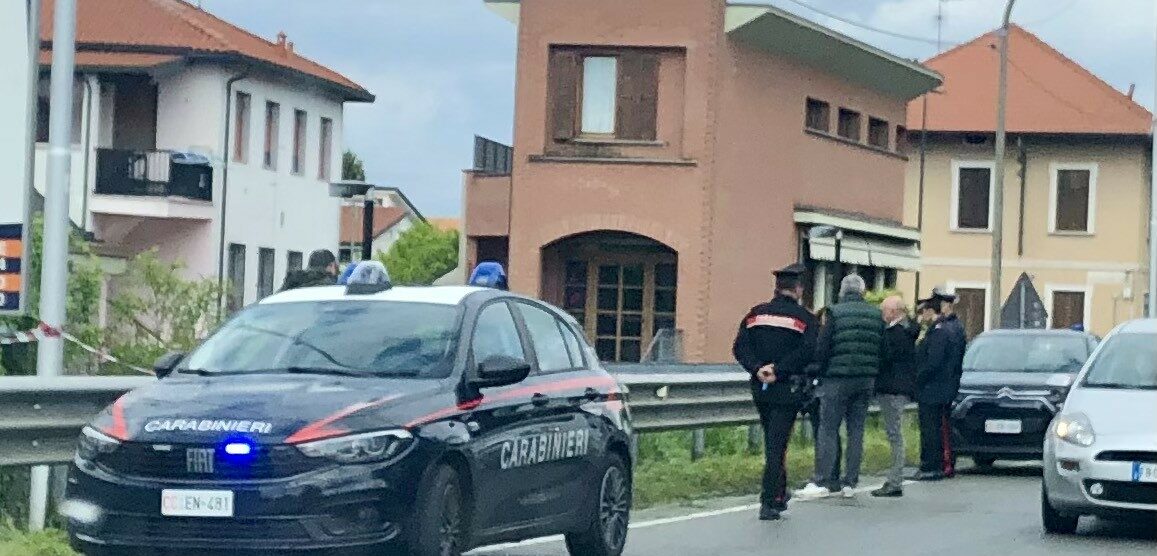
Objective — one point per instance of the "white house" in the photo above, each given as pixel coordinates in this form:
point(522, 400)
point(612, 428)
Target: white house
point(264, 125)
point(393, 215)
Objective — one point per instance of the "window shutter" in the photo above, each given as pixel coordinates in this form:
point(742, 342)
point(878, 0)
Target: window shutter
point(638, 99)
point(564, 86)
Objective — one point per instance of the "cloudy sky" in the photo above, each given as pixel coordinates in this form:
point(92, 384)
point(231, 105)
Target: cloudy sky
point(443, 70)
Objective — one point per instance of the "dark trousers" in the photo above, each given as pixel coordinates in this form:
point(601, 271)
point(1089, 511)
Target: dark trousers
point(936, 439)
point(834, 479)
point(777, 422)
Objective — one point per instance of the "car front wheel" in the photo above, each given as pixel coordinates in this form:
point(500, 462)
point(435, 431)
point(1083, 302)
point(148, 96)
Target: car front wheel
point(440, 521)
point(1055, 522)
point(608, 519)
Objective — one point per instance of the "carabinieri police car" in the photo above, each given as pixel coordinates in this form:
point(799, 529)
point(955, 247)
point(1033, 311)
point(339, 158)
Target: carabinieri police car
point(354, 417)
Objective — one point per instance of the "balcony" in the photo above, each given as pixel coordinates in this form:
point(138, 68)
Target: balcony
point(150, 183)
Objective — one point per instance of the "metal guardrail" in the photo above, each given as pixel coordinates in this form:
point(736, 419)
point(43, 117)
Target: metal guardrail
point(41, 418)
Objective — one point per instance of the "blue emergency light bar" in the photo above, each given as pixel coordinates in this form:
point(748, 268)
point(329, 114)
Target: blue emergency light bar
point(488, 274)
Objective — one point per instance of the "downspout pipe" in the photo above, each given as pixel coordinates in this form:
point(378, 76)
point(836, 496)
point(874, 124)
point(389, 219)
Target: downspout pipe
point(1022, 159)
point(225, 156)
point(90, 83)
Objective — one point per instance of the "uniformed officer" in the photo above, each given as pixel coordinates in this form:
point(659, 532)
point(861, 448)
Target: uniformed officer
point(956, 328)
point(939, 359)
point(775, 343)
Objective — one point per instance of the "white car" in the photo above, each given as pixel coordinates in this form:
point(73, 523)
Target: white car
point(1100, 453)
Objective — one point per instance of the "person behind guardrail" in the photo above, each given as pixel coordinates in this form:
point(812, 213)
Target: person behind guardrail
point(775, 343)
point(895, 386)
point(939, 357)
point(322, 271)
point(849, 349)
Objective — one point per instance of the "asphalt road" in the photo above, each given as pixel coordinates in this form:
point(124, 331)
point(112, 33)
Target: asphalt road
point(996, 513)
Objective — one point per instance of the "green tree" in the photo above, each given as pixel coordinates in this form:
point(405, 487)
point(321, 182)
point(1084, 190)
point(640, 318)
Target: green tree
point(421, 255)
point(876, 297)
point(352, 167)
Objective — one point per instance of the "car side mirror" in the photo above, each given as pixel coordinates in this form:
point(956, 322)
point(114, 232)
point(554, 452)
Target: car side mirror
point(165, 365)
point(500, 370)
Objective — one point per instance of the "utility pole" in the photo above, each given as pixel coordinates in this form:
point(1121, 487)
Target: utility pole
point(54, 260)
point(998, 184)
point(1153, 223)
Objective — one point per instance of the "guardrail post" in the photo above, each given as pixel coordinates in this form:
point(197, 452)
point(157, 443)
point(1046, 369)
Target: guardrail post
point(754, 439)
point(698, 444)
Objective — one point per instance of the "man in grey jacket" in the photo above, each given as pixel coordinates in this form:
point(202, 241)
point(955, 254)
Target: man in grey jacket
point(849, 351)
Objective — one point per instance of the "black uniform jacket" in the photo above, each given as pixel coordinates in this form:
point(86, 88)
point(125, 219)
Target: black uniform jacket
point(780, 332)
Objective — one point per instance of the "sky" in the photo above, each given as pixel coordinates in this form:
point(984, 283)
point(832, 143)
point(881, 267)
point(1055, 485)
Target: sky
point(443, 70)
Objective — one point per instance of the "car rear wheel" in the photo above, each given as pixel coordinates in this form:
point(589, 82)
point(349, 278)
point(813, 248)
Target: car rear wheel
point(441, 517)
point(609, 516)
point(1055, 522)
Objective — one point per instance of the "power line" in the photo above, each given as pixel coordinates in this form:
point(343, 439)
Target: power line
point(866, 27)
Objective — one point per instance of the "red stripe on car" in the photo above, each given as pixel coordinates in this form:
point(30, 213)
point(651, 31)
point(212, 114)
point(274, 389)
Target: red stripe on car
point(325, 428)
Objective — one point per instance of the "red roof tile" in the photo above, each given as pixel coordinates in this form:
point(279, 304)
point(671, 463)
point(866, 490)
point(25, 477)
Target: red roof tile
point(177, 27)
point(124, 60)
point(384, 219)
point(1047, 92)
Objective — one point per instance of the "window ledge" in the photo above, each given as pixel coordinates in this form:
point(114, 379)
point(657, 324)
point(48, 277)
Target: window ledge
point(612, 160)
point(838, 139)
point(618, 142)
point(1067, 233)
point(972, 231)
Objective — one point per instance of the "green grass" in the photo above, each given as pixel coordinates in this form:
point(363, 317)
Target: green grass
point(665, 474)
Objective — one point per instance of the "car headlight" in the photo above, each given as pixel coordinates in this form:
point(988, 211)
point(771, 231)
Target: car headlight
point(1075, 429)
point(92, 443)
point(367, 447)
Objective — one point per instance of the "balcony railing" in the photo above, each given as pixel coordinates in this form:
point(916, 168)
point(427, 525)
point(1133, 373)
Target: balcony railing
point(153, 174)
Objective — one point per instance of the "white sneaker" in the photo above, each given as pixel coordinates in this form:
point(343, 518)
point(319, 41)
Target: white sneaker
point(848, 492)
point(812, 490)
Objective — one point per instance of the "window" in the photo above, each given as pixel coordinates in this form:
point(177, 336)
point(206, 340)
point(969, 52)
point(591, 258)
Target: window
point(549, 344)
point(293, 261)
point(573, 346)
point(236, 277)
point(1067, 308)
point(264, 272)
point(849, 124)
point(1072, 198)
point(496, 334)
point(878, 133)
point(241, 128)
point(1126, 362)
point(43, 103)
point(819, 115)
point(603, 94)
point(1034, 353)
point(272, 128)
point(972, 196)
point(325, 155)
point(299, 141)
point(972, 309)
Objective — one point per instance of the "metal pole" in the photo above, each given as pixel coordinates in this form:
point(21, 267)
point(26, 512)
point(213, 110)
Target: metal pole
point(998, 183)
point(367, 228)
point(1153, 224)
point(54, 261)
point(838, 269)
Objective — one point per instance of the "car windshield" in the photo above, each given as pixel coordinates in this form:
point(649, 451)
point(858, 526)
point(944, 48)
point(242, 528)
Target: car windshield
point(1043, 353)
point(380, 338)
point(1126, 361)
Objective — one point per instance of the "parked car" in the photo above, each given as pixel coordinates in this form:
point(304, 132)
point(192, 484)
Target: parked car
point(1100, 456)
point(1014, 382)
point(339, 418)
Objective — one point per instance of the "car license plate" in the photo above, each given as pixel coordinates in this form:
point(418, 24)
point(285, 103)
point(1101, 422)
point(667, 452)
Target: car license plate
point(197, 503)
point(1144, 472)
point(1002, 426)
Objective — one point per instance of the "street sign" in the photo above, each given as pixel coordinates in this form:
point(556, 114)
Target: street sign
point(17, 121)
point(1024, 308)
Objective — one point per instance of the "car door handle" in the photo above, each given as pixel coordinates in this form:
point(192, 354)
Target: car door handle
point(592, 394)
point(540, 400)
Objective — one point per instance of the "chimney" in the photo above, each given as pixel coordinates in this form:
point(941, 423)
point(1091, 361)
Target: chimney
point(289, 47)
point(281, 39)
point(1132, 89)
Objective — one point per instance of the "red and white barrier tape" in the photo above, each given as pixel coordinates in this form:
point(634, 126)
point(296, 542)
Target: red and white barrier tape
point(45, 331)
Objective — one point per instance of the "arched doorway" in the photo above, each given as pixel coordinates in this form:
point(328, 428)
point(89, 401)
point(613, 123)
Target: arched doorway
point(621, 287)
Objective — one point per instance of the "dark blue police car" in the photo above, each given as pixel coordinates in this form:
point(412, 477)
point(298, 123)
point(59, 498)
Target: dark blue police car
point(334, 418)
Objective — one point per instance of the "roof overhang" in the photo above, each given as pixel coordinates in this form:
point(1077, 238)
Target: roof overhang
point(866, 242)
point(507, 9)
point(783, 33)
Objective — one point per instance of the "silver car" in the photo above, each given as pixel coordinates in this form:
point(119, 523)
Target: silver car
point(1100, 452)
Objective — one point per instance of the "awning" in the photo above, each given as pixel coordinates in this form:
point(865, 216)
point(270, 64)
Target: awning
point(868, 251)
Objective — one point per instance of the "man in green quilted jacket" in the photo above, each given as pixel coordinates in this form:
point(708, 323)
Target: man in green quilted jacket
point(849, 352)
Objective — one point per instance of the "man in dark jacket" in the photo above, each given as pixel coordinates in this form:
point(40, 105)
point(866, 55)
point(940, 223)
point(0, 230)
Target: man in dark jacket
point(322, 271)
point(895, 386)
point(939, 359)
point(849, 352)
point(775, 343)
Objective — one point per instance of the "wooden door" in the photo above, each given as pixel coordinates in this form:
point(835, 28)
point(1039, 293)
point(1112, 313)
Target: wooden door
point(970, 306)
point(1068, 309)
